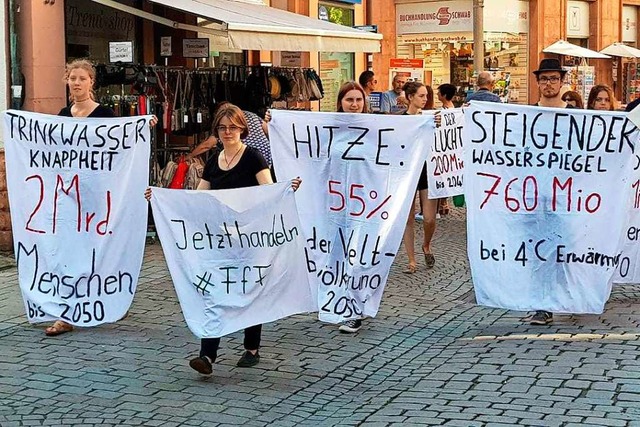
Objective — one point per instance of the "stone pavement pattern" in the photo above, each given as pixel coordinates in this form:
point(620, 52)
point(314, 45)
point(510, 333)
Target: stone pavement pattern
point(431, 357)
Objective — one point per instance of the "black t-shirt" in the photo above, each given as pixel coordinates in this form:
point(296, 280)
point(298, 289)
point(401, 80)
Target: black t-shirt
point(99, 112)
point(241, 175)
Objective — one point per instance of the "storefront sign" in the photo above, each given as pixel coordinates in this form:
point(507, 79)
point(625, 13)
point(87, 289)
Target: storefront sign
point(195, 48)
point(438, 38)
point(405, 63)
point(434, 17)
point(506, 16)
point(121, 52)
point(291, 59)
point(630, 24)
point(577, 19)
point(165, 46)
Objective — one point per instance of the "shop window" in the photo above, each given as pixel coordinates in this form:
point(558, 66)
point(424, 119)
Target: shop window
point(89, 27)
point(335, 67)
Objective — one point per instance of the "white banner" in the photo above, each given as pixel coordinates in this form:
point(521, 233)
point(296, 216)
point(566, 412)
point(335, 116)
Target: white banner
point(78, 213)
point(359, 173)
point(445, 160)
point(236, 256)
point(545, 207)
point(628, 270)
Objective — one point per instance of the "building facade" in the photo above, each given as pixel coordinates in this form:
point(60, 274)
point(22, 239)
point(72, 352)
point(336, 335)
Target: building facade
point(440, 35)
point(48, 33)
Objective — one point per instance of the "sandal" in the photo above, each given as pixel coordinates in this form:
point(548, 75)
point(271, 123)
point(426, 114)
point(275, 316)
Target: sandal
point(411, 269)
point(58, 327)
point(430, 260)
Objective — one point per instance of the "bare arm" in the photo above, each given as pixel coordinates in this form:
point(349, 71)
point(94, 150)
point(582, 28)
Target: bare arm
point(203, 147)
point(264, 177)
point(204, 185)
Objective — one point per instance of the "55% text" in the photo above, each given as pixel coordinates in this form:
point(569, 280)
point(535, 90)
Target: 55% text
point(359, 199)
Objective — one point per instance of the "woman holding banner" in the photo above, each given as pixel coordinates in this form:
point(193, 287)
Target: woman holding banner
point(235, 166)
point(80, 76)
point(417, 95)
point(351, 99)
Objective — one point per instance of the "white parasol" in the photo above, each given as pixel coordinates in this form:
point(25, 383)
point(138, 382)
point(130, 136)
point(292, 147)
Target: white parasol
point(563, 47)
point(621, 49)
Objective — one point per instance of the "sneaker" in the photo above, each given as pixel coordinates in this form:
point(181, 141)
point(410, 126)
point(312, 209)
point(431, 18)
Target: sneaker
point(202, 364)
point(248, 360)
point(351, 326)
point(419, 217)
point(541, 317)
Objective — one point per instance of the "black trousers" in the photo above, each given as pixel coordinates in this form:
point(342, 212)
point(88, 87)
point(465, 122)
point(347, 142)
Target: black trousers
point(252, 335)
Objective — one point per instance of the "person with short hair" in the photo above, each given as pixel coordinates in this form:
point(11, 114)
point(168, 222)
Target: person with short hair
point(446, 92)
point(368, 82)
point(485, 84)
point(394, 101)
point(549, 76)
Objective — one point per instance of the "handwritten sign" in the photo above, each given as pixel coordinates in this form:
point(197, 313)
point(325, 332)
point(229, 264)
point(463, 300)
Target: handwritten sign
point(359, 174)
point(628, 270)
point(545, 204)
point(195, 48)
point(121, 52)
point(445, 160)
point(235, 256)
point(78, 217)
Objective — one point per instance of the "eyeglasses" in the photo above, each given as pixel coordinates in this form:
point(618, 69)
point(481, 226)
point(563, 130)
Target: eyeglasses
point(545, 80)
point(230, 129)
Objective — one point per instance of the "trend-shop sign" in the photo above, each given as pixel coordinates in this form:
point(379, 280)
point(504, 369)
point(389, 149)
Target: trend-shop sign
point(77, 213)
point(436, 17)
point(195, 48)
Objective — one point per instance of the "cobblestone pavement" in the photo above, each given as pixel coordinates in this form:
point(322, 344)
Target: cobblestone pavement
point(431, 357)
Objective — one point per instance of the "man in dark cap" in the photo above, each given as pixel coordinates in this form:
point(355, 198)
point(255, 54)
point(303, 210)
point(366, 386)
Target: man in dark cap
point(549, 76)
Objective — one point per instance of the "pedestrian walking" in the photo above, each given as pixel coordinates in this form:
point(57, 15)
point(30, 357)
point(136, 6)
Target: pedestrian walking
point(417, 95)
point(235, 166)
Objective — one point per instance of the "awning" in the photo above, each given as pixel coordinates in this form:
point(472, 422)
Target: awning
point(563, 47)
point(252, 26)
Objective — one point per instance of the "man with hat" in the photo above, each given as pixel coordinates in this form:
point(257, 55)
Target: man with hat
point(549, 77)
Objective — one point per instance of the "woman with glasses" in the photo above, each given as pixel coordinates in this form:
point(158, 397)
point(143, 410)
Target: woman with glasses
point(235, 166)
point(601, 98)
